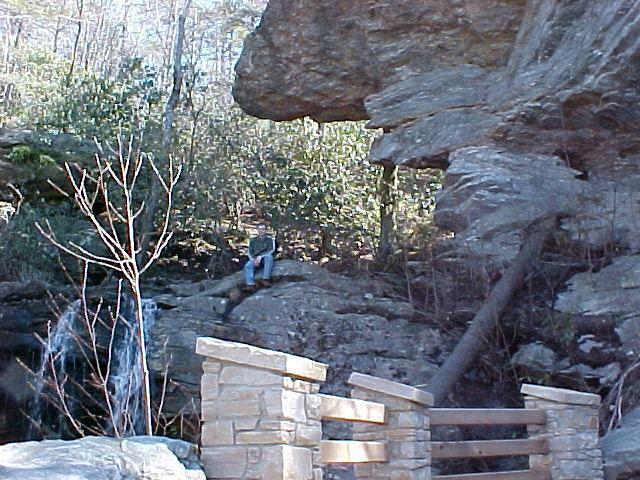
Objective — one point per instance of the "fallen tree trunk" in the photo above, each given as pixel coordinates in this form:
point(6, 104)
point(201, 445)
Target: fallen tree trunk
point(471, 343)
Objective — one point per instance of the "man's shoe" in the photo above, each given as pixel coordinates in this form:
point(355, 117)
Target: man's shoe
point(249, 288)
point(266, 283)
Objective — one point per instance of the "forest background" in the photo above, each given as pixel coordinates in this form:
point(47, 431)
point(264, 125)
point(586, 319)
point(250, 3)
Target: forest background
point(96, 70)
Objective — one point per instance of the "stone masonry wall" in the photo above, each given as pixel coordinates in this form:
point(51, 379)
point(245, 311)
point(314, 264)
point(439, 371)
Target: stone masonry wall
point(571, 430)
point(261, 420)
point(260, 413)
point(406, 430)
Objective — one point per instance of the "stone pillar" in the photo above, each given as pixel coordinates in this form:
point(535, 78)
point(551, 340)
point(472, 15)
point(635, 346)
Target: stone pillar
point(260, 413)
point(406, 430)
point(571, 429)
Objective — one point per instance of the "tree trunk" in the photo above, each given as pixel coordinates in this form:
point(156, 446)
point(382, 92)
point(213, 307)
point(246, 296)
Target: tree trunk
point(147, 221)
point(146, 394)
point(468, 348)
point(388, 203)
point(74, 54)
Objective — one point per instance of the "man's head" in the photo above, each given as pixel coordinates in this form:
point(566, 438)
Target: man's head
point(262, 230)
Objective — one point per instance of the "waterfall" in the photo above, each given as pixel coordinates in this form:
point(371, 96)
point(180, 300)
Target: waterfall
point(126, 378)
point(59, 344)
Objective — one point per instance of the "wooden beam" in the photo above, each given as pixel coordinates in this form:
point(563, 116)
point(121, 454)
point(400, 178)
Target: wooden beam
point(351, 451)
point(339, 408)
point(488, 448)
point(486, 416)
point(514, 475)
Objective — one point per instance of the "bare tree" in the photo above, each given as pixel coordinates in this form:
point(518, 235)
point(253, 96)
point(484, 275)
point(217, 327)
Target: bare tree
point(117, 176)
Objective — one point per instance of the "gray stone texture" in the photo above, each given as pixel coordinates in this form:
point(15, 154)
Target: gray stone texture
point(621, 449)
point(322, 59)
point(544, 91)
point(100, 458)
point(571, 431)
point(612, 292)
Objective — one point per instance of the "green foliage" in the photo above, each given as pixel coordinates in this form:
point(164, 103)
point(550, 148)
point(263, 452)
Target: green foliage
point(24, 155)
point(36, 77)
point(95, 107)
point(27, 255)
point(308, 180)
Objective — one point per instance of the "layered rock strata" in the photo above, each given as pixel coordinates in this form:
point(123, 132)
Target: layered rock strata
point(550, 87)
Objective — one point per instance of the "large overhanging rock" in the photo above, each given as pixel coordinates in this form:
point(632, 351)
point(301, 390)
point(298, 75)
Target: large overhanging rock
point(443, 79)
point(570, 89)
point(321, 59)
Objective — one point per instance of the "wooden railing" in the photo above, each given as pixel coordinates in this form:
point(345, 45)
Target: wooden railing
point(352, 451)
point(262, 412)
point(489, 448)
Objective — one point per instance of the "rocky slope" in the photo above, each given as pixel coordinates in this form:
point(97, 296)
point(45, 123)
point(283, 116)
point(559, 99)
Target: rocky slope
point(350, 324)
point(530, 107)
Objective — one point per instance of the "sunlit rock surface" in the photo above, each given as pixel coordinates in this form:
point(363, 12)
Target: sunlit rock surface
point(322, 59)
point(100, 458)
point(540, 81)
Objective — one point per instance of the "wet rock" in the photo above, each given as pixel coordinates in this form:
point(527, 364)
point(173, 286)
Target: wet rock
point(99, 458)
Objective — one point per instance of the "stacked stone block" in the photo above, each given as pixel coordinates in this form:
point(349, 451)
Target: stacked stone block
point(406, 430)
point(260, 413)
point(571, 431)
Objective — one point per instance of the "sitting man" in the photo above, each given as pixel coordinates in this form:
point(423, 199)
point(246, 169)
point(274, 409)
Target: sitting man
point(261, 251)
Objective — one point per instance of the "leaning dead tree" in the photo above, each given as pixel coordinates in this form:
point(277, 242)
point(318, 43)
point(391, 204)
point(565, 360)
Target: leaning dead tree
point(484, 322)
point(114, 186)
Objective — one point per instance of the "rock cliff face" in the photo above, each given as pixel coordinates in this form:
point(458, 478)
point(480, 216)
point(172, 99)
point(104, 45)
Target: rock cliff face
point(530, 107)
point(322, 59)
point(550, 86)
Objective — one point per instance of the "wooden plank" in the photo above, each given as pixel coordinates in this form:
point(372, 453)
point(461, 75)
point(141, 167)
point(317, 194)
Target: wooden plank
point(339, 408)
point(351, 451)
point(514, 475)
point(486, 416)
point(488, 448)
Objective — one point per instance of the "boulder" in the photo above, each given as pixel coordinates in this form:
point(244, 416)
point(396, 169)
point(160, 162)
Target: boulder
point(489, 196)
point(621, 449)
point(535, 358)
point(612, 292)
point(322, 59)
point(99, 458)
point(353, 324)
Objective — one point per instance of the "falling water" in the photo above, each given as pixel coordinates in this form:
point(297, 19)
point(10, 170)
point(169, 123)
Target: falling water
point(126, 378)
point(54, 356)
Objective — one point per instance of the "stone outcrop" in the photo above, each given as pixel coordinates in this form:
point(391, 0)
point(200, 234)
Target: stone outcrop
point(524, 102)
point(613, 293)
point(621, 449)
point(100, 458)
point(322, 59)
point(309, 312)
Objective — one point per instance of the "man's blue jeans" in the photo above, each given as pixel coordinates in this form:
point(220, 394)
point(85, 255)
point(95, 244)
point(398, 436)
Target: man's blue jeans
point(266, 262)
